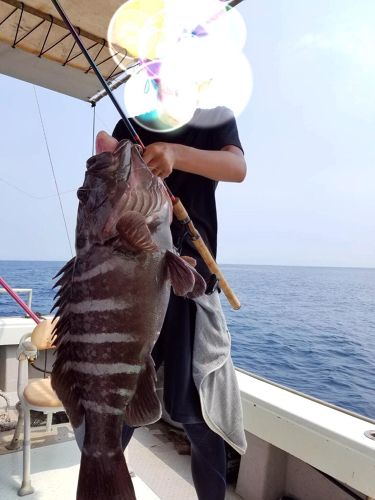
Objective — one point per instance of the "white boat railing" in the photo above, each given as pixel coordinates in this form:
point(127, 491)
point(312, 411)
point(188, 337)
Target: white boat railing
point(332, 440)
point(307, 396)
point(29, 292)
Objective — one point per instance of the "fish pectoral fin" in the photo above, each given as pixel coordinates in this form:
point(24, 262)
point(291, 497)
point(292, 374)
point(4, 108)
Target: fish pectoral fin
point(190, 260)
point(144, 408)
point(185, 280)
point(134, 232)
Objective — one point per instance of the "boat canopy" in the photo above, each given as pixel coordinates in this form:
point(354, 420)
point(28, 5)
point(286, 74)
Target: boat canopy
point(37, 47)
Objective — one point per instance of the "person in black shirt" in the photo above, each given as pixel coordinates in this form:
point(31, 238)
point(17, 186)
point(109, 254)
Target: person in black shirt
point(191, 160)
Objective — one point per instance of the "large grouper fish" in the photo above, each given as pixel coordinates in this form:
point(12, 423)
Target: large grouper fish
point(111, 304)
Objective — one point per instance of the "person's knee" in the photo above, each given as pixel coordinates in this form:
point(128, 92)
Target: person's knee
point(127, 433)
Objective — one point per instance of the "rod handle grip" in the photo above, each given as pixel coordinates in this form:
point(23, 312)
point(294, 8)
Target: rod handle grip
point(181, 214)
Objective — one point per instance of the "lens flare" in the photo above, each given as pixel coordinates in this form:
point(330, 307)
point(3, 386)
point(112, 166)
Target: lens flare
point(192, 57)
point(210, 74)
point(230, 27)
point(143, 27)
point(159, 103)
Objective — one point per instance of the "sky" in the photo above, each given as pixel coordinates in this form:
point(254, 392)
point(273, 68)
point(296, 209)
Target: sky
point(307, 131)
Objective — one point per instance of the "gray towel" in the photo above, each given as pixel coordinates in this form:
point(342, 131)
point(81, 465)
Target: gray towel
point(214, 375)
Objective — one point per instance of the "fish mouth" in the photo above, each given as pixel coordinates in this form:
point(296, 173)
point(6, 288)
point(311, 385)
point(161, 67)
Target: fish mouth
point(122, 156)
point(112, 164)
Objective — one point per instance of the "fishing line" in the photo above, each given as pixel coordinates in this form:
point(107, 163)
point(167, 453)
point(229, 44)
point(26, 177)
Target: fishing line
point(53, 170)
point(31, 195)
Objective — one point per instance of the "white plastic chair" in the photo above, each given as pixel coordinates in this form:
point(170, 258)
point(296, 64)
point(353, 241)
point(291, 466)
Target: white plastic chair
point(36, 394)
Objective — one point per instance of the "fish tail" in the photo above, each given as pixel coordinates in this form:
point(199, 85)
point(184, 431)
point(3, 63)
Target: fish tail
point(103, 479)
point(103, 474)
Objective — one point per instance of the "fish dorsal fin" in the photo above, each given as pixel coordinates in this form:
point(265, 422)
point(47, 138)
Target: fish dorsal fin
point(62, 380)
point(65, 281)
point(185, 280)
point(67, 268)
point(134, 232)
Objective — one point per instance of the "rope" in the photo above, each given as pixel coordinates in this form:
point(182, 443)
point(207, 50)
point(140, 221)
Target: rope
point(53, 170)
point(45, 363)
point(6, 424)
point(3, 395)
point(43, 370)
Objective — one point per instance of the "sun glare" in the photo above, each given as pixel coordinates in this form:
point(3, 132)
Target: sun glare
point(191, 56)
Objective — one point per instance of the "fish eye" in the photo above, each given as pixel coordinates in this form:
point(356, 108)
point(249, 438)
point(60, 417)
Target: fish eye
point(82, 195)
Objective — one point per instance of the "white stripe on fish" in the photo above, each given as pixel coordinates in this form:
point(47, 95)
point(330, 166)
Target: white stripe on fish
point(100, 269)
point(97, 305)
point(101, 407)
point(124, 392)
point(100, 338)
point(101, 368)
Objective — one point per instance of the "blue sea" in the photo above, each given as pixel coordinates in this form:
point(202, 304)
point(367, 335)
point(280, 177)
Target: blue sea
point(308, 328)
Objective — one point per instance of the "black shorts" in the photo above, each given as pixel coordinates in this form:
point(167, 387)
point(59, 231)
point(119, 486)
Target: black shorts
point(174, 348)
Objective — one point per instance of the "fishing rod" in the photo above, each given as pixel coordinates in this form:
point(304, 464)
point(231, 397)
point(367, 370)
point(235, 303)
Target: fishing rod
point(33, 316)
point(178, 209)
point(19, 301)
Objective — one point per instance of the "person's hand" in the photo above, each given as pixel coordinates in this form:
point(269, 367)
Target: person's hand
point(160, 157)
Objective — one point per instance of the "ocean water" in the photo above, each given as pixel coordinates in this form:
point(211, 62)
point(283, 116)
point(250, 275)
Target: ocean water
point(308, 328)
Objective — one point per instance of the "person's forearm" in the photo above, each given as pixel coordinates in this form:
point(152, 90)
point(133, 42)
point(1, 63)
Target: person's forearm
point(224, 165)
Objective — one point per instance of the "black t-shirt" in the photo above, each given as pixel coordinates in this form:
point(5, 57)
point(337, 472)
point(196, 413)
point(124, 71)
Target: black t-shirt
point(197, 193)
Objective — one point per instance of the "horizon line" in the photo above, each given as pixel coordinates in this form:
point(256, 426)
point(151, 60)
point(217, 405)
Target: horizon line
point(326, 266)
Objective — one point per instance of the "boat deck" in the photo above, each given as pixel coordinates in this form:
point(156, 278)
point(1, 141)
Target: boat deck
point(293, 439)
point(160, 471)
